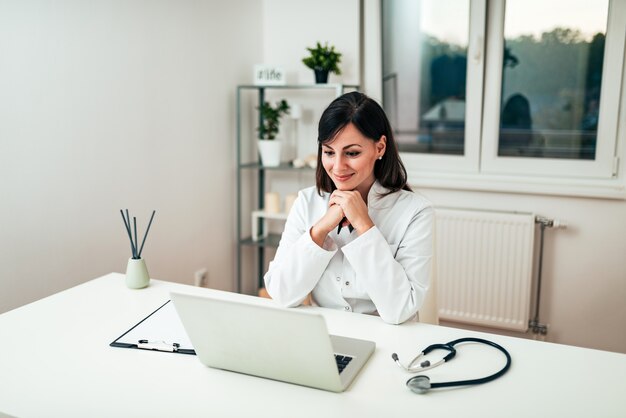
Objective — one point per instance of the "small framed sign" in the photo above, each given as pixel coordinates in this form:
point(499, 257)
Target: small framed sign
point(268, 75)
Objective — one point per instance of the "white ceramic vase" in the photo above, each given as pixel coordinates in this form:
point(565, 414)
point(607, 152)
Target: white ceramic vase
point(269, 150)
point(137, 276)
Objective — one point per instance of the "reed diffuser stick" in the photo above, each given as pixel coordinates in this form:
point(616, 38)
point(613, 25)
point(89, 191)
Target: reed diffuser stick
point(130, 237)
point(146, 234)
point(135, 224)
point(134, 238)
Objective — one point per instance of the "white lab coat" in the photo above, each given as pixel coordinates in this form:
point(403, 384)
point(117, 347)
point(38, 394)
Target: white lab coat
point(386, 270)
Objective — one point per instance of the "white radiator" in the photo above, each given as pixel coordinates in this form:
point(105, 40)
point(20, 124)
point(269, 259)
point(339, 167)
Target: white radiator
point(484, 264)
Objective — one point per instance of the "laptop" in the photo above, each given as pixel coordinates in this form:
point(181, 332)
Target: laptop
point(290, 345)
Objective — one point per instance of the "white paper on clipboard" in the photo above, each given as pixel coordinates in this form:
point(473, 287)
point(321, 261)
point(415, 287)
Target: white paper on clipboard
point(158, 331)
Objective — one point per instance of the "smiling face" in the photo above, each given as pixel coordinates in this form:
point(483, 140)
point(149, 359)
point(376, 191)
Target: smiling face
point(349, 159)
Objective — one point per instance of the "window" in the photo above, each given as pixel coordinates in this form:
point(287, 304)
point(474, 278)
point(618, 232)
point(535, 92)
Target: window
point(538, 96)
point(431, 87)
point(431, 91)
point(551, 80)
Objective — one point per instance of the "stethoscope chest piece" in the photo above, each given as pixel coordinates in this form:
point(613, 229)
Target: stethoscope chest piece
point(419, 384)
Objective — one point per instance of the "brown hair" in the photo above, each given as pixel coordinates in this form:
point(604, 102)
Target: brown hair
point(370, 119)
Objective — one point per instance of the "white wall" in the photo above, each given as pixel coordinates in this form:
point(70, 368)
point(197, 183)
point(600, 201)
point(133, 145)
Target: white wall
point(118, 104)
point(108, 105)
point(292, 26)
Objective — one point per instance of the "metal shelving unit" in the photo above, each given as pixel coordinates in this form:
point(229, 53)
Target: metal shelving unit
point(271, 240)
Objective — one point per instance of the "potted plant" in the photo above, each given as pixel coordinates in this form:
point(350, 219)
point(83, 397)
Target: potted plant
point(322, 60)
point(269, 146)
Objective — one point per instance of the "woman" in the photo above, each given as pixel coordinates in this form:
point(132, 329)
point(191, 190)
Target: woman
point(360, 240)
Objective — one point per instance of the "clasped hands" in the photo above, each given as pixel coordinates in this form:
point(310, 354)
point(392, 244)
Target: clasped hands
point(345, 208)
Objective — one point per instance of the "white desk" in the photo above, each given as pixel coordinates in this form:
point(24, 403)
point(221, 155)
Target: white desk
point(55, 361)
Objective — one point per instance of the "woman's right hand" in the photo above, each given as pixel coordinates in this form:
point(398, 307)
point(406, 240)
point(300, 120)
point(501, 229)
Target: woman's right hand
point(327, 223)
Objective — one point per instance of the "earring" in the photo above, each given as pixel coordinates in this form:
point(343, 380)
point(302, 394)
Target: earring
point(380, 158)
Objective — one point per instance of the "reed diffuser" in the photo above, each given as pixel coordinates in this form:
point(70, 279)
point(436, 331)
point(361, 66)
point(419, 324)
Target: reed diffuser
point(137, 276)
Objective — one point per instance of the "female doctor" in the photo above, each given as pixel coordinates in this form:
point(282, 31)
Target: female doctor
point(360, 240)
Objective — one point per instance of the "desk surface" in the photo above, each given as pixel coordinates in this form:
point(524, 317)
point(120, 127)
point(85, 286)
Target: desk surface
point(55, 360)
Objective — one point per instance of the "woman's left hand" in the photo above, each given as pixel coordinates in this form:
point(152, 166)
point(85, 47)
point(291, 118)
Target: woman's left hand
point(354, 208)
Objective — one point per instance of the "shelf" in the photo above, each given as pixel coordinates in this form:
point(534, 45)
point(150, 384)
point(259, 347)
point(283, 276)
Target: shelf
point(264, 217)
point(281, 216)
point(281, 167)
point(271, 240)
point(326, 86)
point(249, 169)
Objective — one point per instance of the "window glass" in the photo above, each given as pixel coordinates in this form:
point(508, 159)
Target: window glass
point(552, 72)
point(425, 46)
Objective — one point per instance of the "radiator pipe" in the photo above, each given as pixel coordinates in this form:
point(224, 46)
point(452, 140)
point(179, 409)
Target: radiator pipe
point(534, 324)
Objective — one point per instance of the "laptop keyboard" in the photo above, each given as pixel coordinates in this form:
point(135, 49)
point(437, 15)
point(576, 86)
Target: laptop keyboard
point(342, 361)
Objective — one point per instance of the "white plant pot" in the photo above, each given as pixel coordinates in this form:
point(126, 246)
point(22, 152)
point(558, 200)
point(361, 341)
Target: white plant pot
point(269, 150)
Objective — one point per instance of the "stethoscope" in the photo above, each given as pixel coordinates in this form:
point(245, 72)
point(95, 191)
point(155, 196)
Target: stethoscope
point(422, 384)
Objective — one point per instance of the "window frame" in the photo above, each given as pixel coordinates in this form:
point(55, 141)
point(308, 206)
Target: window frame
point(603, 164)
point(463, 173)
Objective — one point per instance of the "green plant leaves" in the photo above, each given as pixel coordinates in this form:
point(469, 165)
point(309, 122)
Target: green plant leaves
point(323, 58)
point(271, 118)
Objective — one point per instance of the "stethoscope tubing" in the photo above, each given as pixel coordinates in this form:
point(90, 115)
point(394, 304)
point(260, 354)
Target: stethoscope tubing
point(482, 379)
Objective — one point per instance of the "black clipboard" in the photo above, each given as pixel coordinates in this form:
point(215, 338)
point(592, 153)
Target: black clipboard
point(159, 331)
